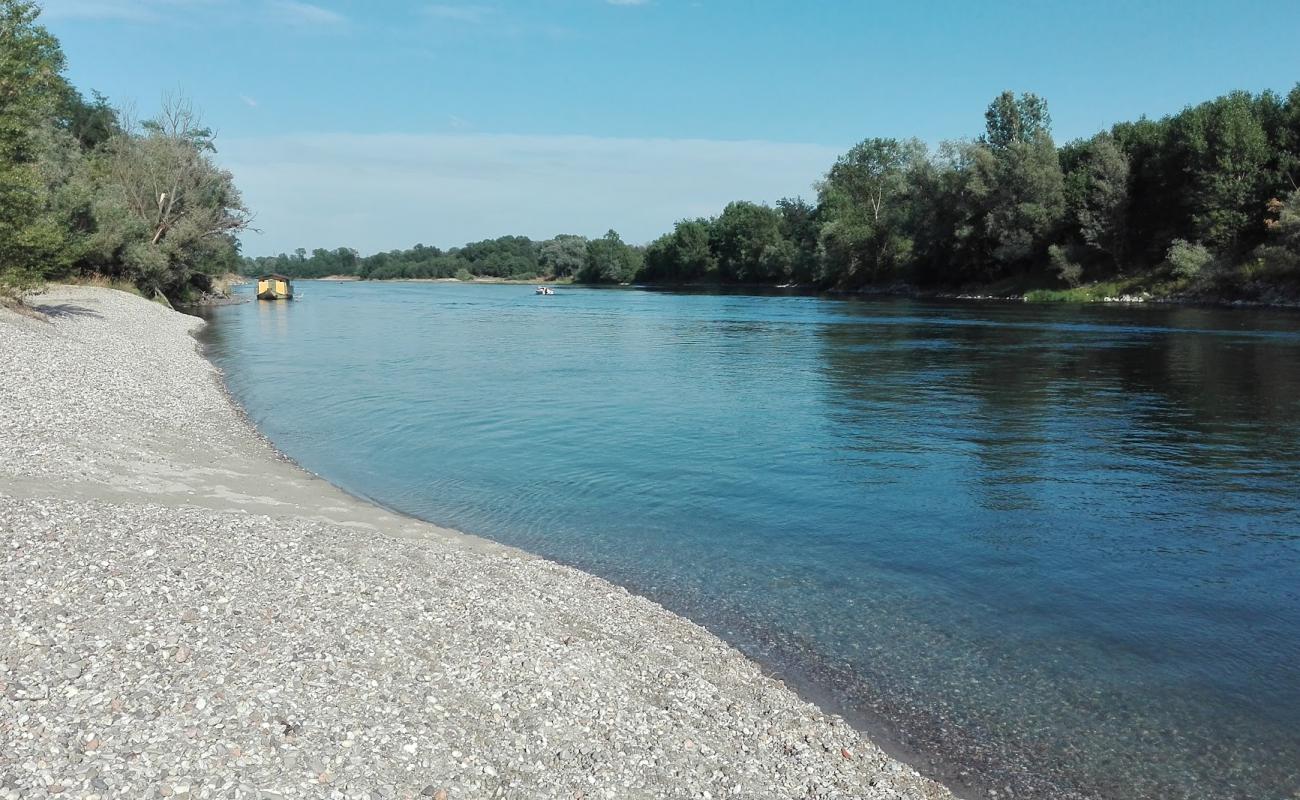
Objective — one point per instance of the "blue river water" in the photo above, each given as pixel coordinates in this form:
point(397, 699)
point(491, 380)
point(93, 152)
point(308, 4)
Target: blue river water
point(1047, 550)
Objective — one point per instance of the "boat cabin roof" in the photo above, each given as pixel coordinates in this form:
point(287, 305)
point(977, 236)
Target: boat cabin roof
point(274, 276)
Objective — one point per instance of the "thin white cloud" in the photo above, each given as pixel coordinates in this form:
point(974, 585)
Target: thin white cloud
point(380, 191)
point(457, 13)
point(307, 14)
point(248, 101)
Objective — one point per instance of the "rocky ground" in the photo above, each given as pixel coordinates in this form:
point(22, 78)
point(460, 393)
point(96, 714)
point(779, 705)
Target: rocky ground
point(184, 614)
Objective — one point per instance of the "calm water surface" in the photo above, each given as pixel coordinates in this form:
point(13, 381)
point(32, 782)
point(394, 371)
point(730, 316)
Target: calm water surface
point(1051, 549)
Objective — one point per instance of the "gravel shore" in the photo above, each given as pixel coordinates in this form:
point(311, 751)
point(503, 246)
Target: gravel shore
point(185, 614)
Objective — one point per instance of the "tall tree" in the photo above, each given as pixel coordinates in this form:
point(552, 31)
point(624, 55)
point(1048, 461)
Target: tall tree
point(746, 241)
point(1017, 177)
point(609, 260)
point(1226, 151)
point(682, 256)
point(31, 66)
point(866, 207)
point(1016, 120)
point(1102, 213)
point(167, 213)
point(562, 256)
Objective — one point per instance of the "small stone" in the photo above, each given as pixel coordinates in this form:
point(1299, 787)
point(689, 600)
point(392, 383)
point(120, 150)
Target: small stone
point(72, 671)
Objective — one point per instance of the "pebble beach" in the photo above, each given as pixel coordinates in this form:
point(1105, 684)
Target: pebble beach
point(185, 613)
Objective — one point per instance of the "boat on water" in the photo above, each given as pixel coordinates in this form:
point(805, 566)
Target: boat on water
point(274, 287)
point(544, 290)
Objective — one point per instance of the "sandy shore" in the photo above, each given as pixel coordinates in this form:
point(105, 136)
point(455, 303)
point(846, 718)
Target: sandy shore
point(185, 614)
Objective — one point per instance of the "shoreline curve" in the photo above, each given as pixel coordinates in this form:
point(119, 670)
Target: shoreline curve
point(186, 612)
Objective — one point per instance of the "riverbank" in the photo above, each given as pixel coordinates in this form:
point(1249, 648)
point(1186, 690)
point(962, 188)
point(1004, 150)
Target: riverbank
point(188, 614)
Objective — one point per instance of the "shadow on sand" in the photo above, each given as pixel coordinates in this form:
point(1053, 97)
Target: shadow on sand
point(65, 310)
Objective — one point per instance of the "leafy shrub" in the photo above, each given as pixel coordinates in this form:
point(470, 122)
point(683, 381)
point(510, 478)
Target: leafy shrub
point(463, 274)
point(1066, 268)
point(1272, 263)
point(1285, 224)
point(1188, 259)
point(16, 283)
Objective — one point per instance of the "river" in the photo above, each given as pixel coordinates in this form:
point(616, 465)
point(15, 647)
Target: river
point(1046, 550)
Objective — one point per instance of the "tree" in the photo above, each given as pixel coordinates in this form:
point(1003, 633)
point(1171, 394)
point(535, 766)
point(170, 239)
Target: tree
point(1015, 120)
point(1285, 221)
point(682, 256)
point(746, 241)
point(801, 227)
point(865, 203)
point(609, 260)
point(562, 256)
point(31, 66)
point(1226, 151)
point(1017, 179)
point(167, 215)
point(1102, 213)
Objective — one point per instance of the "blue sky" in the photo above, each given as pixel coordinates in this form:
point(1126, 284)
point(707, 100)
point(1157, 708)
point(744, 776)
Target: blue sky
point(382, 123)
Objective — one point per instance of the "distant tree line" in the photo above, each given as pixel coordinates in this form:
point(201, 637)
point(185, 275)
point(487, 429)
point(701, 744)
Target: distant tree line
point(604, 260)
point(1205, 199)
point(87, 191)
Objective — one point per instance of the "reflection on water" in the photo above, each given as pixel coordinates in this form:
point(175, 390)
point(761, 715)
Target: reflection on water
point(272, 319)
point(1053, 549)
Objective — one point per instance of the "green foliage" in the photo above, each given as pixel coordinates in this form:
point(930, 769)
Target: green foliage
point(1022, 194)
point(31, 66)
point(1285, 221)
point(562, 256)
point(1225, 149)
point(1013, 208)
point(1012, 120)
point(801, 228)
point(1009, 209)
point(507, 257)
point(1066, 268)
point(747, 244)
point(1101, 207)
point(1188, 259)
point(867, 206)
point(82, 194)
point(166, 216)
point(683, 256)
point(609, 260)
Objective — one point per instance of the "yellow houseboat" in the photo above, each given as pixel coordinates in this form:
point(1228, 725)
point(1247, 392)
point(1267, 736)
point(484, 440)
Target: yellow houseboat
point(274, 287)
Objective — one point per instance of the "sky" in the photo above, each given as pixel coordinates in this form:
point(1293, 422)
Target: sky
point(377, 124)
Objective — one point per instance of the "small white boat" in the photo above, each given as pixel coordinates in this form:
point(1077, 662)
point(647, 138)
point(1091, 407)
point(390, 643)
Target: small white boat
point(544, 290)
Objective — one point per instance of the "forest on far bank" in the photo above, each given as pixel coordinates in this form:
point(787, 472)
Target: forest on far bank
point(1205, 202)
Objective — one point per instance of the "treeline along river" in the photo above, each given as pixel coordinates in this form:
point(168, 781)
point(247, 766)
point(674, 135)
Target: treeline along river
point(1048, 549)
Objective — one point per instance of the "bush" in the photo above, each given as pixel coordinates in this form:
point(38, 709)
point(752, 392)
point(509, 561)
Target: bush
point(1272, 263)
point(1066, 269)
point(463, 274)
point(1188, 259)
point(16, 283)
